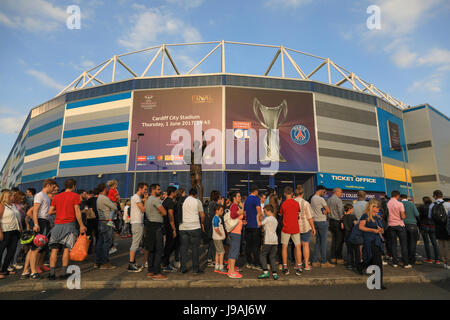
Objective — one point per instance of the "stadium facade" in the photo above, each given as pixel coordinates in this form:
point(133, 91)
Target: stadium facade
point(356, 138)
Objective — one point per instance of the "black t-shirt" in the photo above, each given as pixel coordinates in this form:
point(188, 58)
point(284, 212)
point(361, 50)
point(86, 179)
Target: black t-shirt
point(92, 203)
point(348, 219)
point(168, 204)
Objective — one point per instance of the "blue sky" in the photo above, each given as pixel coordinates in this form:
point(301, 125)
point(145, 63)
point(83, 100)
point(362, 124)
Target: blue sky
point(409, 57)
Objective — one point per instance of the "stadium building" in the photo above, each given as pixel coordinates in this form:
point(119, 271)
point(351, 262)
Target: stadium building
point(339, 133)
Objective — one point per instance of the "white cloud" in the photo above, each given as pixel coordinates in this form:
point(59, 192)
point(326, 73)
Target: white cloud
point(10, 121)
point(286, 3)
point(403, 57)
point(431, 84)
point(401, 17)
point(46, 80)
point(86, 64)
point(436, 57)
point(153, 26)
point(34, 16)
point(400, 20)
point(187, 3)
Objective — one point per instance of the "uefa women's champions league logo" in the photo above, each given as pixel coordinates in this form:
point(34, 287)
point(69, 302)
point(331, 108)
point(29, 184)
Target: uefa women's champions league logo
point(300, 134)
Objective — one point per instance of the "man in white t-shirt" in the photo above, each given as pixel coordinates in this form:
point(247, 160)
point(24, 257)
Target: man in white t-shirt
point(191, 231)
point(136, 213)
point(41, 221)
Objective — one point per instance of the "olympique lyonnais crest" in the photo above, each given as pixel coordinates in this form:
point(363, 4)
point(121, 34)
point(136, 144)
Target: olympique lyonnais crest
point(300, 134)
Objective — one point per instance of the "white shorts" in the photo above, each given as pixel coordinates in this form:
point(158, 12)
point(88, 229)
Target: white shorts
point(286, 236)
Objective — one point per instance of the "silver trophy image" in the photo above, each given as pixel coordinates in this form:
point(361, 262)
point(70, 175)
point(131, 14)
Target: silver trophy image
point(272, 121)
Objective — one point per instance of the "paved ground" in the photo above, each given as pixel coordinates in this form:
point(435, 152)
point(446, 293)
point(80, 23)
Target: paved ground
point(110, 279)
point(434, 291)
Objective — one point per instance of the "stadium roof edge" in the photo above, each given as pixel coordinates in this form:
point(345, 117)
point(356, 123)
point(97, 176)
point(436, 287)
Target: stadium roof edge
point(283, 53)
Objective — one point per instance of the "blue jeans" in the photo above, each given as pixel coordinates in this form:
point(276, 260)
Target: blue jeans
point(321, 241)
point(429, 234)
point(190, 238)
point(235, 246)
point(104, 241)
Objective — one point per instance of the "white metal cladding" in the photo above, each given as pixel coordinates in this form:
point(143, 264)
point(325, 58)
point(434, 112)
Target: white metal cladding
point(91, 76)
point(346, 145)
point(441, 145)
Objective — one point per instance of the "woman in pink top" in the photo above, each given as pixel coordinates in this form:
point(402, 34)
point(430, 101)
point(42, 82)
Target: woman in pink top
point(236, 212)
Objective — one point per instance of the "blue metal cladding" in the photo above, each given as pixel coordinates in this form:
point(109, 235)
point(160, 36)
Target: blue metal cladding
point(85, 103)
point(95, 130)
point(383, 118)
point(401, 186)
point(95, 145)
point(46, 127)
point(43, 147)
point(103, 161)
point(39, 176)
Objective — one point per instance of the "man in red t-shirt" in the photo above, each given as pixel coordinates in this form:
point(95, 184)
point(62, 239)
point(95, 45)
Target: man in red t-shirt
point(66, 205)
point(290, 210)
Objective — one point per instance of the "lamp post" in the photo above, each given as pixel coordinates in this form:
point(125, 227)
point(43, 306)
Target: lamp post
point(404, 167)
point(135, 159)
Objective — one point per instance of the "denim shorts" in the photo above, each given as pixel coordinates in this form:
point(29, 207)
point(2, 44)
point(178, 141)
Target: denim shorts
point(235, 245)
point(305, 237)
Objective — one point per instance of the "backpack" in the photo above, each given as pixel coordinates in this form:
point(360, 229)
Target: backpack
point(230, 223)
point(438, 213)
point(356, 236)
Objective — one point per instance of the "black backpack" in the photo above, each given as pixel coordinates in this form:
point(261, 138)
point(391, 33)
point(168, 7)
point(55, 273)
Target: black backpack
point(438, 213)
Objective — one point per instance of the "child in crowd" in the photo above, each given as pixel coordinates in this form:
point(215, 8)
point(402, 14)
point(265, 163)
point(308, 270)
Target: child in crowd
point(348, 221)
point(270, 223)
point(114, 196)
point(126, 230)
point(218, 236)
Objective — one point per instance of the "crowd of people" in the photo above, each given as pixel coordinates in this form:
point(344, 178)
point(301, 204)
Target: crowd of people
point(263, 231)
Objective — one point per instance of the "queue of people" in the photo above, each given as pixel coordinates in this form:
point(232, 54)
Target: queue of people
point(252, 233)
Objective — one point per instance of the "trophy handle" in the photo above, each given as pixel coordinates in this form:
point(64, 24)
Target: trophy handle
point(284, 111)
point(256, 103)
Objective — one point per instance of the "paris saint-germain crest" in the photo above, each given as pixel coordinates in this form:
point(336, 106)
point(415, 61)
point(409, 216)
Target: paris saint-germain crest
point(300, 134)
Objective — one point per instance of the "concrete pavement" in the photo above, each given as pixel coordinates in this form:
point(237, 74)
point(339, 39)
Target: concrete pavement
point(120, 278)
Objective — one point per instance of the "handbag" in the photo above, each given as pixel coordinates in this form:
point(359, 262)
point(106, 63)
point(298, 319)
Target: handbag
point(79, 251)
point(230, 223)
point(90, 214)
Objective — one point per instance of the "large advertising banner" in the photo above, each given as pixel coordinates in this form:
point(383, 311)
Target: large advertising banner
point(270, 130)
point(171, 118)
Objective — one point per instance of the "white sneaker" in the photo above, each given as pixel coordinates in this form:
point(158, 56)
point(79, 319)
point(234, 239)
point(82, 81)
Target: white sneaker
point(146, 265)
point(18, 266)
point(408, 266)
point(446, 266)
point(112, 250)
